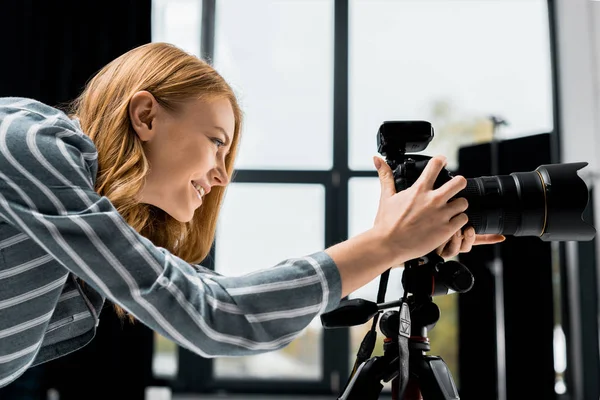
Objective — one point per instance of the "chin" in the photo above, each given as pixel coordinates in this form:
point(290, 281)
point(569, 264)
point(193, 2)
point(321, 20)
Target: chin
point(178, 214)
point(182, 217)
point(183, 214)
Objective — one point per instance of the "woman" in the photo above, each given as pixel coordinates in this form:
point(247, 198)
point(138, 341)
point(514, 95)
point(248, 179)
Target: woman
point(119, 196)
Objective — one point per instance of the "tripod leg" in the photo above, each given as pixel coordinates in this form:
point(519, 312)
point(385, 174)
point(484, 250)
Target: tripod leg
point(413, 392)
point(435, 379)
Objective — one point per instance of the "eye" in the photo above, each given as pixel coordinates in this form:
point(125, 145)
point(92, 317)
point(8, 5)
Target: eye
point(218, 142)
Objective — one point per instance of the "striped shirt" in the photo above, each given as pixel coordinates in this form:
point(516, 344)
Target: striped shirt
point(55, 228)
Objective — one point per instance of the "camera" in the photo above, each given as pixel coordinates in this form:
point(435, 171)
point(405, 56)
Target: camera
point(547, 202)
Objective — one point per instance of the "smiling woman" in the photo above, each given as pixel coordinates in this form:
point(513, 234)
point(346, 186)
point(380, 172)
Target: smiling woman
point(119, 199)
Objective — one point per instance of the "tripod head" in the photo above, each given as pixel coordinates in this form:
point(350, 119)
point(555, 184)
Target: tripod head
point(422, 279)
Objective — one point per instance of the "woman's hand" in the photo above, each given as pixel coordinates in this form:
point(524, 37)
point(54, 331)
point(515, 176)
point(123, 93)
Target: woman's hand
point(409, 224)
point(462, 242)
point(420, 219)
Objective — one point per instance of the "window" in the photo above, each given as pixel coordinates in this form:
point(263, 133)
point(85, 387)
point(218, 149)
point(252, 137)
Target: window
point(177, 22)
point(451, 62)
point(280, 63)
point(164, 358)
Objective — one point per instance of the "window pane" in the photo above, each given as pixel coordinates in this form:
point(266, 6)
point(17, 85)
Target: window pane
point(280, 63)
point(177, 22)
point(261, 225)
point(165, 357)
point(451, 62)
point(362, 205)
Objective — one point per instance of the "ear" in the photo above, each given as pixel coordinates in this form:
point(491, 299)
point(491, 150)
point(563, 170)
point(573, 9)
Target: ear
point(142, 111)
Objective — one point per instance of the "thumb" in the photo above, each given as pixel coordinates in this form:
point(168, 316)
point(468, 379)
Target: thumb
point(386, 177)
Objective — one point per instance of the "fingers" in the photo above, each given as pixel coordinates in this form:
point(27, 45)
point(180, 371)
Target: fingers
point(469, 240)
point(463, 242)
point(453, 246)
point(488, 239)
point(451, 188)
point(457, 206)
point(458, 221)
point(386, 177)
point(431, 171)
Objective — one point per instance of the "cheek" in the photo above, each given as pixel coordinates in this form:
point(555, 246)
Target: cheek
point(200, 158)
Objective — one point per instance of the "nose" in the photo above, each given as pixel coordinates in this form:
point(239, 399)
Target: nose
point(219, 176)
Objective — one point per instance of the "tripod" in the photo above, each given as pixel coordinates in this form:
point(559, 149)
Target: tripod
point(428, 376)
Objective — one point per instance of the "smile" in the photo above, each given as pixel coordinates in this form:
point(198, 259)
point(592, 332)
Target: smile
point(198, 188)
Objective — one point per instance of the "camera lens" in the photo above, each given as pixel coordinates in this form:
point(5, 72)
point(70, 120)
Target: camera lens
point(547, 202)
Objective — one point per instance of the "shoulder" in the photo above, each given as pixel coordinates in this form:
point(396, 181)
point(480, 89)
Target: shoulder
point(22, 115)
point(24, 109)
point(35, 134)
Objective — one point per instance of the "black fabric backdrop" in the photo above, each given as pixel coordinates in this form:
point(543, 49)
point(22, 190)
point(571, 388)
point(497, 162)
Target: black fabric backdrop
point(48, 51)
point(528, 299)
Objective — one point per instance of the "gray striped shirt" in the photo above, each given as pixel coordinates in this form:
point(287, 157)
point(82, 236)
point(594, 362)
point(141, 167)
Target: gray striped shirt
point(54, 227)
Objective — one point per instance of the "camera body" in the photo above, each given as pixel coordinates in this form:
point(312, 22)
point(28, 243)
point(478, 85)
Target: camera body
point(397, 138)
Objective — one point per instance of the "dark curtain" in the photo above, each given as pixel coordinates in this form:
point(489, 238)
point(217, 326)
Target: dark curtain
point(48, 51)
point(528, 298)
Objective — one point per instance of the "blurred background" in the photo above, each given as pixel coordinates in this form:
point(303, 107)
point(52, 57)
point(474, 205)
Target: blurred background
point(315, 79)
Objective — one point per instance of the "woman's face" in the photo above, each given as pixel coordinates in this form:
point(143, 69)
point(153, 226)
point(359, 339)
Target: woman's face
point(186, 151)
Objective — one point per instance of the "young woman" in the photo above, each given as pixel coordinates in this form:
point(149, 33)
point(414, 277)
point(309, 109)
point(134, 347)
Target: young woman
point(118, 197)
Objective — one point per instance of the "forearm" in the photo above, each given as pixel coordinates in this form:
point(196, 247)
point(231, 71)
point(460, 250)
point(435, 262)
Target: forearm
point(361, 259)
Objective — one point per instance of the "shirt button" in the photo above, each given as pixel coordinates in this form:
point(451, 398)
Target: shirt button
point(163, 281)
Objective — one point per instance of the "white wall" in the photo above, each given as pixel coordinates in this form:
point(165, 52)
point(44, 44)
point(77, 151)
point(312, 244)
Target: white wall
point(578, 41)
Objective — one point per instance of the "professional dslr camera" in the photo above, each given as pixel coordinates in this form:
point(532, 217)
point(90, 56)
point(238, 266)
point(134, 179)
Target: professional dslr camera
point(547, 202)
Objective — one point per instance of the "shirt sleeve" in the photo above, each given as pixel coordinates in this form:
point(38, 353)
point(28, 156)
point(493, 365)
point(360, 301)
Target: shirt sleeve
point(47, 173)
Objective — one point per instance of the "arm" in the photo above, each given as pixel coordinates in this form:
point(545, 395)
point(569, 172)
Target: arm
point(353, 255)
point(47, 169)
